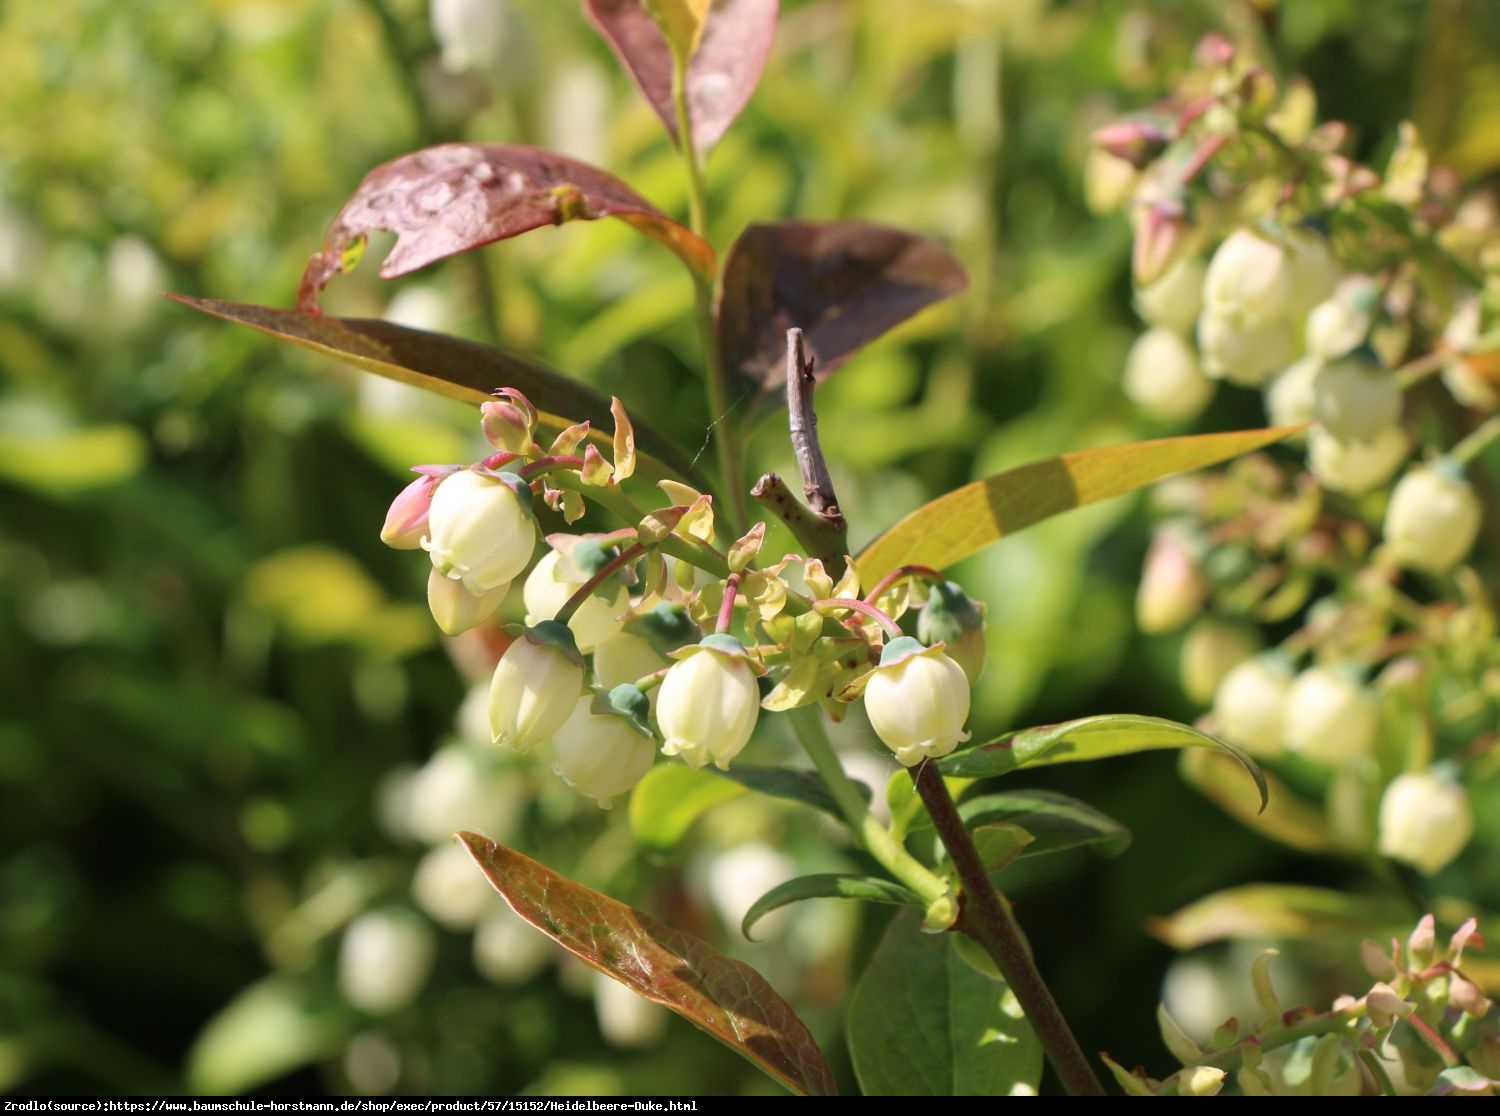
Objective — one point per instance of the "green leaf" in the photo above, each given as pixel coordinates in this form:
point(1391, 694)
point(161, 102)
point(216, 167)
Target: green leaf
point(266, 1031)
point(459, 369)
point(1280, 911)
point(724, 997)
point(66, 463)
point(1092, 738)
point(1055, 821)
point(968, 519)
point(925, 1023)
point(806, 787)
point(671, 797)
point(1283, 816)
point(872, 889)
point(681, 21)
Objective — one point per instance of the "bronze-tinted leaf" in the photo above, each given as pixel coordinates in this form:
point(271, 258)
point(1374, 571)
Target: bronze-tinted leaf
point(724, 69)
point(718, 994)
point(844, 283)
point(447, 199)
point(453, 367)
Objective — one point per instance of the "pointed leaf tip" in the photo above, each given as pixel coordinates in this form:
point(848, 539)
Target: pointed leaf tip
point(724, 997)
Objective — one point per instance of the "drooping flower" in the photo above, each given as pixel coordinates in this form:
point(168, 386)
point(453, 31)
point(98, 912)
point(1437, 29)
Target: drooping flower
point(1432, 519)
point(1425, 820)
point(708, 703)
point(604, 754)
point(480, 529)
point(549, 586)
point(917, 700)
point(455, 609)
point(1329, 717)
point(1249, 704)
point(535, 686)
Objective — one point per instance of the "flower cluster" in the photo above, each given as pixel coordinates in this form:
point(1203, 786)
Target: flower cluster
point(1361, 303)
point(653, 633)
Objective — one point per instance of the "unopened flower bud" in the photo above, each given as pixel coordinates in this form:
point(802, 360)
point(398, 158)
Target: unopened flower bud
point(602, 755)
point(1162, 234)
point(952, 617)
point(1172, 588)
point(549, 586)
point(917, 700)
point(1249, 703)
point(505, 425)
point(480, 529)
point(1242, 351)
point(1329, 717)
point(1425, 821)
point(1355, 399)
point(455, 609)
point(1432, 519)
point(535, 687)
point(1163, 379)
point(384, 960)
point(406, 521)
point(1175, 298)
point(1201, 1081)
point(1211, 649)
point(709, 703)
point(1355, 467)
point(1137, 142)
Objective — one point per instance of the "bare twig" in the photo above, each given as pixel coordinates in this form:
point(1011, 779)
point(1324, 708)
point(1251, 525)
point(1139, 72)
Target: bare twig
point(817, 485)
point(817, 535)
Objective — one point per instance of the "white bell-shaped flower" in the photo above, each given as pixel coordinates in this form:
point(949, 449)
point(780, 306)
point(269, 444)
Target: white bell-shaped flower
point(455, 609)
point(384, 960)
point(1425, 821)
point(547, 589)
point(1163, 379)
point(480, 529)
point(1175, 299)
point(1355, 468)
point(1355, 399)
point(1432, 519)
point(602, 755)
point(917, 700)
point(535, 686)
point(1329, 717)
point(708, 703)
point(1263, 278)
point(1249, 704)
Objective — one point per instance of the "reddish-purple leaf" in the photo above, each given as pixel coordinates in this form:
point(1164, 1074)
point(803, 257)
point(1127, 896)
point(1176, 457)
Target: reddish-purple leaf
point(447, 199)
point(453, 367)
point(718, 994)
point(722, 73)
point(843, 283)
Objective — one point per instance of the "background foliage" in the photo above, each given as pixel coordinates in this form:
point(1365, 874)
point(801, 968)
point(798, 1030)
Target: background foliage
point(212, 668)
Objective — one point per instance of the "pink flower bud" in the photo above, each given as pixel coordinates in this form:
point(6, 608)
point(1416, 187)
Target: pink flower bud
point(1135, 141)
point(1162, 234)
point(505, 426)
point(1173, 588)
point(406, 521)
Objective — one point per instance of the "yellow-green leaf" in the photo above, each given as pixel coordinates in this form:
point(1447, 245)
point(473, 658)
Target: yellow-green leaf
point(968, 519)
point(681, 21)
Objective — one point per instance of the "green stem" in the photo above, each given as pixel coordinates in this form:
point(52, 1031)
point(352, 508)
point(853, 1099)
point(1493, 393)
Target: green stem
point(726, 435)
point(1476, 442)
point(807, 723)
point(988, 920)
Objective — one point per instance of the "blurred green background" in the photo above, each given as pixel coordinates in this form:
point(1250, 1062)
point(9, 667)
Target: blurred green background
point(221, 853)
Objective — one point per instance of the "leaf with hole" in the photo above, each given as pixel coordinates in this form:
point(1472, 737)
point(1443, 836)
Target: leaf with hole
point(872, 889)
point(970, 518)
point(459, 369)
point(1092, 738)
point(843, 283)
point(724, 997)
point(443, 200)
point(729, 53)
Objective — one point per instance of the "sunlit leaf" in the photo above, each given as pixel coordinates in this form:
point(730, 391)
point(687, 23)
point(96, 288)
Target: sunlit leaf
point(1285, 816)
point(725, 66)
point(1055, 821)
point(966, 520)
point(64, 463)
point(843, 283)
point(1092, 738)
point(1281, 911)
point(722, 996)
point(925, 1023)
point(681, 21)
point(451, 366)
point(872, 889)
point(267, 1030)
point(665, 804)
point(443, 200)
